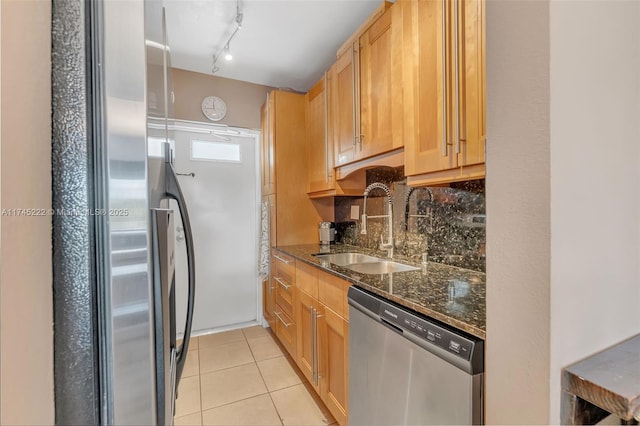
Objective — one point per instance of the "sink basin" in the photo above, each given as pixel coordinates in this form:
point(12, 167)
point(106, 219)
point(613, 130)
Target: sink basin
point(365, 264)
point(380, 267)
point(344, 259)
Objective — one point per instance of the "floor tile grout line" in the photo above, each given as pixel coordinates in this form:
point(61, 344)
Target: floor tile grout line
point(228, 368)
point(275, 407)
point(269, 392)
point(200, 383)
point(234, 402)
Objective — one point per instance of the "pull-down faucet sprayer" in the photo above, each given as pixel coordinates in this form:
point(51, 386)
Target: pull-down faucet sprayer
point(428, 216)
point(389, 244)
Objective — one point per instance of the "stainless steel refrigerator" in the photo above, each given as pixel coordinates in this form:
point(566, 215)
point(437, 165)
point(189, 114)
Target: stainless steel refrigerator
point(116, 356)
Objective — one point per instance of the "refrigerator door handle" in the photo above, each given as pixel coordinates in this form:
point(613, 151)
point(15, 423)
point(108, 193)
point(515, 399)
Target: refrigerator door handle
point(174, 192)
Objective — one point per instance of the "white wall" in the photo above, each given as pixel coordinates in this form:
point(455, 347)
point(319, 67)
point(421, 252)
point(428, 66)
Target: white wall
point(563, 195)
point(595, 185)
point(26, 333)
point(518, 212)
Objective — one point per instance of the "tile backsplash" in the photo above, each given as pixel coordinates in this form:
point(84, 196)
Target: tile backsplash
point(447, 223)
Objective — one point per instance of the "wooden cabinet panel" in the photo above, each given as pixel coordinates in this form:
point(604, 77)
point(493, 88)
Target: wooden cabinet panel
point(424, 57)
point(268, 301)
point(332, 292)
point(319, 150)
point(376, 75)
point(307, 279)
point(320, 142)
point(286, 331)
point(297, 219)
point(343, 108)
point(305, 344)
point(267, 149)
point(273, 230)
point(334, 364)
point(322, 335)
point(283, 279)
point(444, 100)
point(472, 82)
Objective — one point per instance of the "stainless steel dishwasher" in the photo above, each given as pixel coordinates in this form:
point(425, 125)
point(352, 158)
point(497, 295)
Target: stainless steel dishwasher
point(406, 369)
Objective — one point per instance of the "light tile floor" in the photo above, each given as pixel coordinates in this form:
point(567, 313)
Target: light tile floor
point(242, 377)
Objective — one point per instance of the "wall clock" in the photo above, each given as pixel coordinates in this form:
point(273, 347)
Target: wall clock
point(214, 108)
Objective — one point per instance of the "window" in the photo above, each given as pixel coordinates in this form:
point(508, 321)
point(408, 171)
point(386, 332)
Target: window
point(215, 151)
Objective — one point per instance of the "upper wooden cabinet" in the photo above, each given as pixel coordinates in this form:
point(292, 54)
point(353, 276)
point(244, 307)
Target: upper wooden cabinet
point(342, 107)
point(363, 91)
point(267, 151)
point(319, 150)
point(285, 169)
point(320, 144)
point(379, 85)
point(444, 96)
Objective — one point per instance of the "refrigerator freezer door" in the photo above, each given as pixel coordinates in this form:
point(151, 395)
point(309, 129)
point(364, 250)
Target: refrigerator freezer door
point(164, 311)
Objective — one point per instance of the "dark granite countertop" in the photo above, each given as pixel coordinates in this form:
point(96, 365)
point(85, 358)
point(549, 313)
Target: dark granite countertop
point(609, 379)
point(454, 296)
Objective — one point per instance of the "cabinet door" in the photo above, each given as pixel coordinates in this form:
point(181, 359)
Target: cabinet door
point(471, 69)
point(319, 152)
point(376, 74)
point(272, 220)
point(268, 301)
point(343, 107)
point(305, 305)
point(425, 99)
point(267, 129)
point(286, 331)
point(334, 363)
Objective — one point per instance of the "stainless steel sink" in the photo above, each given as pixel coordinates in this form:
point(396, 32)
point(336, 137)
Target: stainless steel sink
point(381, 267)
point(365, 264)
point(344, 259)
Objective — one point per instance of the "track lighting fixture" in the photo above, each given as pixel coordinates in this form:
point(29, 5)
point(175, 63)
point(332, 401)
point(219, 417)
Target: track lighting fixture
point(227, 52)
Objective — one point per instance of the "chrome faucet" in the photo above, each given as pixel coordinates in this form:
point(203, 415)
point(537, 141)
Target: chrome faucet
point(389, 244)
point(428, 216)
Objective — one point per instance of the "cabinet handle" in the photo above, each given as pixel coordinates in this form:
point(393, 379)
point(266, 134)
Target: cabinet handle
point(444, 78)
point(285, 261)
point(282, 283)
point(314, 346)
point(356, 91)
point(326, 128)
point(353, 93)
point(268, 136)
point(286, 324)
point(456, 94)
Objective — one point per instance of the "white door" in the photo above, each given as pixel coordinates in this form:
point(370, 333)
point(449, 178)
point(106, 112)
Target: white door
point(223, 203)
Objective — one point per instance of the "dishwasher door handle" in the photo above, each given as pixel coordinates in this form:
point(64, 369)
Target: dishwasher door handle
point(392, 326)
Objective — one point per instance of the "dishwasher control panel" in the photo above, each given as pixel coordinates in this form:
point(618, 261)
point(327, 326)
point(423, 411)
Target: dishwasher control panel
point(427, 330)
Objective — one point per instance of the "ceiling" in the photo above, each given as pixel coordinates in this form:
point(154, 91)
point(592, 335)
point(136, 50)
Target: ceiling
point(282, 43)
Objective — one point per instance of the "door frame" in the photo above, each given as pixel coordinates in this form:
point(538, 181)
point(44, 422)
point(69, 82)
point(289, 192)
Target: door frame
point(225, 130)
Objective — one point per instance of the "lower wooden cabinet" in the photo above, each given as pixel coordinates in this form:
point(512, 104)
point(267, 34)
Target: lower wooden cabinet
point(286, 331)
point(334, 361)
point(282, 292)
point(269, 301)
point(309, 312)
point(323, 337)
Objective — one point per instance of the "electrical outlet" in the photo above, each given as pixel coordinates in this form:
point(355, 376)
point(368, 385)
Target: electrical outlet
point(355, 212)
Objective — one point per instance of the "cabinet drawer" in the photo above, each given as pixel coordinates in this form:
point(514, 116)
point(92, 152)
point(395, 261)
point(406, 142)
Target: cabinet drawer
point(332, 292)
point(283, 267)
point(286, 331)
point(283, 274)
point(307, 279)
point(284, 295)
